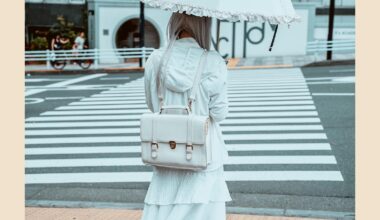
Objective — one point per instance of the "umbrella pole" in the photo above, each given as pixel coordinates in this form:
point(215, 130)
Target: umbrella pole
point(217, 34)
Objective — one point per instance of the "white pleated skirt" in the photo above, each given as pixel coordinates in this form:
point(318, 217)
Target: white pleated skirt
point(186, 195)
point(210, 211)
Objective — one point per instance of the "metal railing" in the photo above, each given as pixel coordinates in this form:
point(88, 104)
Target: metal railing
point(322, 46)
point(88, 54)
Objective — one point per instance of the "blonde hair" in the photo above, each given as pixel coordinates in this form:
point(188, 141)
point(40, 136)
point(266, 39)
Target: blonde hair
point(198, 27)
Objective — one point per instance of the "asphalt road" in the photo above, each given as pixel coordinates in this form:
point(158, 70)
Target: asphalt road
point(305, 141)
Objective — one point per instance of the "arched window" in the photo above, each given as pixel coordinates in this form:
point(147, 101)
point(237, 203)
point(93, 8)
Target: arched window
point(128, 35)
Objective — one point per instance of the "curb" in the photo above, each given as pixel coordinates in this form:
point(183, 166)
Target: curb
point(89, 71)
point(230, 210)
point(331, 63)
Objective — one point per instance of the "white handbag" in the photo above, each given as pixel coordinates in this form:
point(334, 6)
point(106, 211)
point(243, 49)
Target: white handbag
point(175, 137)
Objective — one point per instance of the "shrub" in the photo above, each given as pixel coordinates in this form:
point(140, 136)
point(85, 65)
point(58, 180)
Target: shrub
point(39, 43)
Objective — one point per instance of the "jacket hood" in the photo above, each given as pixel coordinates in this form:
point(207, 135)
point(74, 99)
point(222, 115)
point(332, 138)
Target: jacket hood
point(182, 65)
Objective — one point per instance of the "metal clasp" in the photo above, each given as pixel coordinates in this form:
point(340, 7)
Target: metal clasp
point(172, 144)
point(154, 148)
point(189, 152)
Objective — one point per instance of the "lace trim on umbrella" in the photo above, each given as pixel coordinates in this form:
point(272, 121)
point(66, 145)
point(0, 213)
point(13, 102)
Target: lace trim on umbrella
point(222, 15)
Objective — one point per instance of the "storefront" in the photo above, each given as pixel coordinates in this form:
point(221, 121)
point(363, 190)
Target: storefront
point(40, 17)
point(114, 24)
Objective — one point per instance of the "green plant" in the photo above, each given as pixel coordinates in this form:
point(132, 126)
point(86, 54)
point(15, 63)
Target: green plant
point(39, 43)
point(65, 29)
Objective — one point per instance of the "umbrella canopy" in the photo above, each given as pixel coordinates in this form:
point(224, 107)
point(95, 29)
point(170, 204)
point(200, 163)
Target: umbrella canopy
point(272, 11)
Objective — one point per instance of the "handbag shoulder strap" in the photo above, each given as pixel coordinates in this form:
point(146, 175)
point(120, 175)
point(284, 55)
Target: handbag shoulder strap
point(197, 79)
point(194, 88)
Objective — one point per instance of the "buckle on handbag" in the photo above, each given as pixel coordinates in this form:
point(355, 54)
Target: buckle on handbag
point(189, 151)
point(172, 145)
point(154, 148)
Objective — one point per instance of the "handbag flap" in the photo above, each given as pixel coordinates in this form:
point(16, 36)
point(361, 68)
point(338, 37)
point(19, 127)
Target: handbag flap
point(173, 128)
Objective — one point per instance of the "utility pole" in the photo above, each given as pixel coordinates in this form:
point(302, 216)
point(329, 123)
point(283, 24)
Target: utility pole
point(142, 29)
point(217, 34)
point(331, 29)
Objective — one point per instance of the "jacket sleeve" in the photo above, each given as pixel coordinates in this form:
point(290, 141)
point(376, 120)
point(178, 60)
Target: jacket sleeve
point(218, 105)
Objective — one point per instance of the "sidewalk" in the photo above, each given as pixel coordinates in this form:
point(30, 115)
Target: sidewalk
point(286, 61)
point(239, 63)
point(34, 213)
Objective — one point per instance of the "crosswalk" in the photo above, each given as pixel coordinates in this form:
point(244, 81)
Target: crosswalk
point(272, 122)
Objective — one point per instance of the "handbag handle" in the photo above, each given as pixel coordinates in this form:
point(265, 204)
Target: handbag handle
point(195, 86)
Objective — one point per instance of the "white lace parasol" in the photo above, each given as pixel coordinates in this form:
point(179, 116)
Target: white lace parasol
point(272, 11)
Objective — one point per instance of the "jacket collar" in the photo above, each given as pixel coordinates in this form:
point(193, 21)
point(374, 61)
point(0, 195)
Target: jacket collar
point(188, 41)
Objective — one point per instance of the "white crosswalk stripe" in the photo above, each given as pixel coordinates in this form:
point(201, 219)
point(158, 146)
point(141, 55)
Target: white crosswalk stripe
point(272, 121)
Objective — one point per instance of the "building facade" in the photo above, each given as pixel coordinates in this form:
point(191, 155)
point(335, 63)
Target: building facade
point(115, 24)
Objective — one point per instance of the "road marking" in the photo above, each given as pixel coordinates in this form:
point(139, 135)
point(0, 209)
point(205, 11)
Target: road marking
point(133, 139)
point(129, 106)
point(344, 79)
point(125, 110)
point(273, 128)
point(76, 80)
point(85, 124)
point(329, 78)
point(253, 103)
point(325, 83)
point(139, 96)
point(342, 70)
point(249, 88)
point(100, 100)
point(250, 99)
point(115, 78)
point(263, 96)
point(333, 94)
point(126, 177)
point(264, 82)
point(82, 150)
point(137, 130)
point(270, 121)
point(137, 148)
point(137, 117)
point(81, 118)
point(129, 91)
point(33, 100)
point(106, 102)
point(63, 83)
point(136, 161)
point(143, 104)
point(143, 101)
point(259, 84)
point(75, 88)
point(267, 91)
point(272, 108)
point(95, 112)
point(63, 98)
point(41, 80)
point(130, 86)
point(34, 91)
point(279, 147)
point(269, 94)
point(139, 108)
point(81, 86)
point(254, 78)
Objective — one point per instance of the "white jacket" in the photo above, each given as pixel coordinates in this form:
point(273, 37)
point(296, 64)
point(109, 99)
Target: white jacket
point(211, 98)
